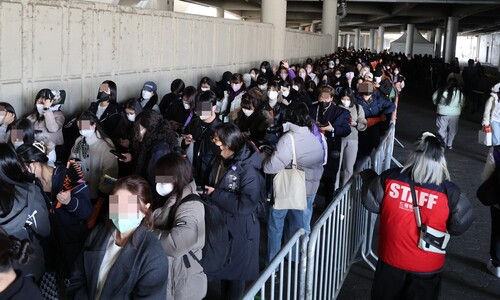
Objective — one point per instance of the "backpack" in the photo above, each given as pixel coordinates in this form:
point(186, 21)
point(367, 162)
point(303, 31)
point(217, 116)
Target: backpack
point(218, 239)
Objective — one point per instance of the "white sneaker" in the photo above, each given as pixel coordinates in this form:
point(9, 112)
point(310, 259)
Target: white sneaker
point(494, 270)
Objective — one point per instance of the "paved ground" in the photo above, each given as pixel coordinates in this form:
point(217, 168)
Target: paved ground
point(465, 275)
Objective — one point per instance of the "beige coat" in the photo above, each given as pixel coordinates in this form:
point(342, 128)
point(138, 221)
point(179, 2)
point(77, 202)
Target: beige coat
point(51, 126)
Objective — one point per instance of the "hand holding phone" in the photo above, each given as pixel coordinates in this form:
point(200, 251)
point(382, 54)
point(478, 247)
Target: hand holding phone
point(118, 154)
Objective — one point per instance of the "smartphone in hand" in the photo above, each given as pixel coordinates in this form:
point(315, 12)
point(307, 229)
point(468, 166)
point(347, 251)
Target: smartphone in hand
point(118, 154)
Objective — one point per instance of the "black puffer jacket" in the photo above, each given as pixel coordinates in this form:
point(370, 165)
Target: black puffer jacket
point(240, 202)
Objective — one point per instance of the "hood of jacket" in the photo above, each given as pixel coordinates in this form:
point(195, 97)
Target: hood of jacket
point(249, 155)
point(15, 219)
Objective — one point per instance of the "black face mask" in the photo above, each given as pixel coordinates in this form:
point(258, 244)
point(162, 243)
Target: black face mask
point(103, 97)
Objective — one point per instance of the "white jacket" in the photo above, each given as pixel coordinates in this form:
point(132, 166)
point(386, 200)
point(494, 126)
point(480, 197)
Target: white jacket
point(489, 108)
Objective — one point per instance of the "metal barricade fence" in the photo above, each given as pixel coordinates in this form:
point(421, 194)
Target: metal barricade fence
point(328, 253)
point(284, 277)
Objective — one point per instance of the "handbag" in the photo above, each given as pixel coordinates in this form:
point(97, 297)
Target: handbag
point(484, 136)
point(289, 186)
point(430, 239)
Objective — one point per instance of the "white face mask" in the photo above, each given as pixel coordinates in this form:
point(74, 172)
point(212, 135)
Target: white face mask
point(272, 95)
point(87, 133)
point(186, 105)
point(302, 75)
point(247, 112)
point(331, 65)
point(346, 103)
point(263, 70)
point(126, 225)
point(236, 87)
point(263, 87)
point(39, 108)
point(17, 144)
point(205, 89)
point(338, 75)
point(273, 102)
point(131, 117)
point(286, 93)
point(378, 79)
point(396, 72)
point(147, 95)
point(295, 87)
point(164, 189)
point(283, 76)
point(349, 75)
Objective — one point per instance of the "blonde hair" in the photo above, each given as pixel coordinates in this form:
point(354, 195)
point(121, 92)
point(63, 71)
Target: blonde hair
point(427, 163)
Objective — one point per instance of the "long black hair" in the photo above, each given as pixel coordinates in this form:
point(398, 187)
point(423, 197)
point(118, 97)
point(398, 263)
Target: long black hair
point(12, 173)
point(178, 168)
point(13, 249)
point(298, 114)
point(42, 94)
point(451, 87)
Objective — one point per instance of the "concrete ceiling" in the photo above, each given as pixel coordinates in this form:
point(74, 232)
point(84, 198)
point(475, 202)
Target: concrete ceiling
point(475, 16)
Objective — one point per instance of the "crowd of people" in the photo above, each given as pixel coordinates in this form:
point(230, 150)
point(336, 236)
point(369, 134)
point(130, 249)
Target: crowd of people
point(121, 198)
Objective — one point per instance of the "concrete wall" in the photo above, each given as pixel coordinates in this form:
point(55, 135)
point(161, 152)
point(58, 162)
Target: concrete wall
point(76, 45)
point(299, 45)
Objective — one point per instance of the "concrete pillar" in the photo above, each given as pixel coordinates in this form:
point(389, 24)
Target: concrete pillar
point(381, 31)
point(438, 44)
point(372, 40)
point(347, 40)
point(329, 20)
point(274, 12)
point(410, 31)
point(433, 36)
point(313, 27)
point(451, 39)
point(219, 12)
point(357, 34)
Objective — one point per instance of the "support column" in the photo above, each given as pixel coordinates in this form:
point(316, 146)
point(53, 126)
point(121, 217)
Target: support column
point(219, 12)
point(438, 44)
point(357, 34)
point(330, 23)
point(274, 12)
point(372, 40)
point(410, 31)
point(381, 31)
point(451, 39)
point(313, 27)
point(347, 40)
point(433, 36)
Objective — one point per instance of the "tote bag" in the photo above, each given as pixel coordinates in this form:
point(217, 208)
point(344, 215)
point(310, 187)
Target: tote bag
point(289, 186)
point(484, 136)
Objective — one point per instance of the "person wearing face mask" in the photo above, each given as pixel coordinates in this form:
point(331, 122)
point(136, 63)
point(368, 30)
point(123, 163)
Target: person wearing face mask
point(274, 105)
point(378, 111)
point(252, 121)
point(349, 144)
point(349, 81)
point(123, 258)
point(206, 84)
point(153, 138)
point(47, 121)
point(285, 72)
point(232, 100)
point(398, 79)
point(7, 117)
point(311, 74)
point(262, 85)
point(199, 132)
point(69, 201)
point(237, 187)
point(181, 112)
point(333, 121)
point(266, 69)
point(149, 97)
point(124, 134)
point(180, 217)
point(106, 108)
point(92, 149)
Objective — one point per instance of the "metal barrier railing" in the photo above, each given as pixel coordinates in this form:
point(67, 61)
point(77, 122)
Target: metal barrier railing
point(331, 248)
point(288, 282)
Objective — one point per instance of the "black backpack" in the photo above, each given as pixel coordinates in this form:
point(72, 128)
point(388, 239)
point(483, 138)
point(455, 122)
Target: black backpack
point(218, 239)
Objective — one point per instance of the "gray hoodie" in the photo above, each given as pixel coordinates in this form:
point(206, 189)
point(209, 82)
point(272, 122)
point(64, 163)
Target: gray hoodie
point(309, 156)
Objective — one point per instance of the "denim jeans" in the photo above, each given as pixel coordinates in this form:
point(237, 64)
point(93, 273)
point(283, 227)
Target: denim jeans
point(495, 133)
point(296, 219)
